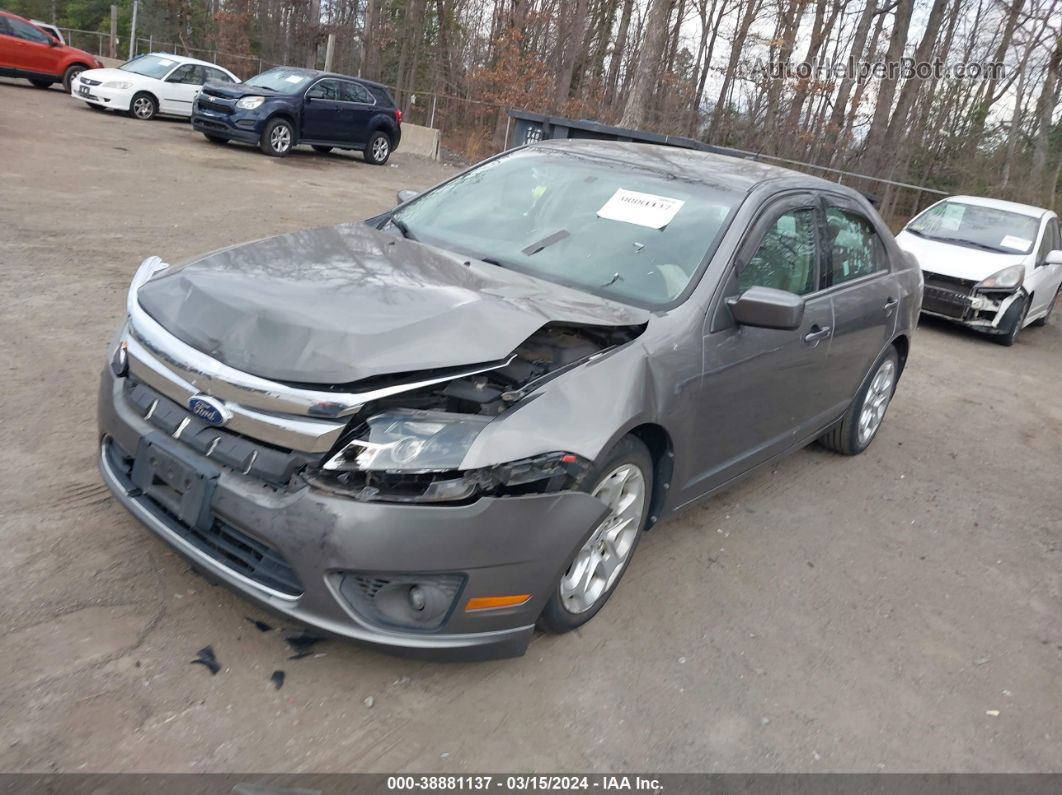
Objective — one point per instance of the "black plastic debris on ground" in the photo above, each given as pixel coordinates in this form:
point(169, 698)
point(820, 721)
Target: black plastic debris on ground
point(301, 643)
point(261, 626)
point(277, 679)
point(205, 657)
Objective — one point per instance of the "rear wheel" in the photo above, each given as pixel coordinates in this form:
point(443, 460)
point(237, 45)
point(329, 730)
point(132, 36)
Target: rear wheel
point(860, 424)
point(624, 482)
point(378, 148)
point(277, 138)
point(1013, 321)
point(143, 107)
point(324, 150)
point(70, 74)
point(42, 83)
point(215, 139)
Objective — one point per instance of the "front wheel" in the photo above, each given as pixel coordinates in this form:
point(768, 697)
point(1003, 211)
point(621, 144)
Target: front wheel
point(70, 74)
point(860, 424)
point(143, 107)
point(378, 148)
point(1013, 321)
point(624, 482)
point(277, 138)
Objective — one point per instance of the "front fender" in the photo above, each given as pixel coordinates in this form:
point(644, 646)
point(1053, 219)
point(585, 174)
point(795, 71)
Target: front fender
point(585, 411)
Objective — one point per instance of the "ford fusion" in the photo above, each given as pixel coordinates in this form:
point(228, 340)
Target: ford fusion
point(436, 429)
point(993, 266)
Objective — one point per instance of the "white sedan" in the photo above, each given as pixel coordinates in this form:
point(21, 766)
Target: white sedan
point(992, 265)
point(149, 85)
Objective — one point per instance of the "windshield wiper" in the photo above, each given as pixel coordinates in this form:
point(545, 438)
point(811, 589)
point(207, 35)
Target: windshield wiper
point(548, 240)
point(402, 227)
point(970, 243)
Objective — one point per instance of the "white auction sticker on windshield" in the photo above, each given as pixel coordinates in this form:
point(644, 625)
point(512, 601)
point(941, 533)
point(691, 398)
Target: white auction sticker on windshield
point(295, 78)
point(1016, 243)
point(643, 209)
point(166, 62)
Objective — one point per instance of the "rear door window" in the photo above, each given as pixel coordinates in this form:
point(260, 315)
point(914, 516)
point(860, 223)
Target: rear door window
point(354, 92)
point(855, 248)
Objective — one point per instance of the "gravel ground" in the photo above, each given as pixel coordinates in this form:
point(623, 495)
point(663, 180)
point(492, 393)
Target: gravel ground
point(833, 614)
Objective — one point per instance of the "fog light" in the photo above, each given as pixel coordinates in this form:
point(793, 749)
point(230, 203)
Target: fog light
point(412, 601)
point(417, 599)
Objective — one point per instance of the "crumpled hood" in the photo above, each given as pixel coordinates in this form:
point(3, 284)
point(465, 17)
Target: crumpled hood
point(960, 262)
point(338, 304)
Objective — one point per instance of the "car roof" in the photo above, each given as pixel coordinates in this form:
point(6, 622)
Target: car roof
point(320, 73)
point(182, 59)
point(1000, 204)
point(737, 173)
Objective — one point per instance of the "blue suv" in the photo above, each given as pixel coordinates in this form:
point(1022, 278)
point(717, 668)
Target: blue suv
point(285, 107)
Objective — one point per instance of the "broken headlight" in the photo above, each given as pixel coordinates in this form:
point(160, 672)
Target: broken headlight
point(410, 441)
point(1006, 279)
point(415, 456)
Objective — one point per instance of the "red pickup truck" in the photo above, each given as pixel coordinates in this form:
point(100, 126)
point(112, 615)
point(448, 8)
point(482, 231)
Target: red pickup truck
point(27, 51)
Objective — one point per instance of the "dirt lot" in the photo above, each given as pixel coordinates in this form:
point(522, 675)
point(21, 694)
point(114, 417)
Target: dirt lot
point(834, 614)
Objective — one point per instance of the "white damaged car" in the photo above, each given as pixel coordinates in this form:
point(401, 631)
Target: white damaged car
point(149, 85)
point(992, 265)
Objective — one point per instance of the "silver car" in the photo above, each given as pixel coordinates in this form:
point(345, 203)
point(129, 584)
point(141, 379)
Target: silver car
point(433, 430)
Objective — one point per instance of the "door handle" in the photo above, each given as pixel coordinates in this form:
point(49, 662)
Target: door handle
point(816, 334)
point(890, 305)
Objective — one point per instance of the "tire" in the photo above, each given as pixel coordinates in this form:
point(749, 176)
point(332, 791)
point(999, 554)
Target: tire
point(856, 430)
point(324, 150)
point(143, 106)
point(70, 73)
point(215, 139)
point(624, 473)
point(1012, 322)
point(41, 83)
point(378, 148)
point(277, 139)
point(1042, 321)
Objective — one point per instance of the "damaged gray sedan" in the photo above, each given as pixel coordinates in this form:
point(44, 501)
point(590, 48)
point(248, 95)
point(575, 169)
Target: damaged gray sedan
point(433, 430)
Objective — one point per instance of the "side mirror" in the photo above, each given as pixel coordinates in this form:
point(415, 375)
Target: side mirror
point(406, 194)
point(765, 307)
point(307, 99)
point(1053, 257)
point(53, 42)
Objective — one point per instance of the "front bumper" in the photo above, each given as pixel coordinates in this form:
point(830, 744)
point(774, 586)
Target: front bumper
point(236, 126)
point(116, 99)
point(498, 546)
point(959, 301)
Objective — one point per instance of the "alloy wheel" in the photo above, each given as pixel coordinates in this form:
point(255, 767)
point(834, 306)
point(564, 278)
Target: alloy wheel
point(280, 138)
point(602, 558)
point(380, 149)
point(876, 401)
point(143, 108)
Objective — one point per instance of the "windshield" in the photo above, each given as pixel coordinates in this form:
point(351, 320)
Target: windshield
point(620, 230)
point(157, 66)
point(977, 227)
point(281, 80)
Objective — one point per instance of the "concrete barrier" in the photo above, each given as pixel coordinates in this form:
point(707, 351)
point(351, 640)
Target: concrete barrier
point(417, 140)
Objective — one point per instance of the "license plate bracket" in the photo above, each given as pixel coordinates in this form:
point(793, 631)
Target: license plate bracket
point(178, 480)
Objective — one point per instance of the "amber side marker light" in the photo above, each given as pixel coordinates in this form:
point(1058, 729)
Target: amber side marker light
point(494, 602)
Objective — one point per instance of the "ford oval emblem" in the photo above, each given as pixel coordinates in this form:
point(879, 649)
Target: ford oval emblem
point(209, 409)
